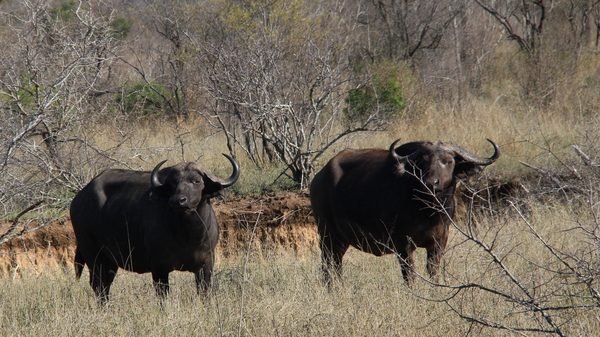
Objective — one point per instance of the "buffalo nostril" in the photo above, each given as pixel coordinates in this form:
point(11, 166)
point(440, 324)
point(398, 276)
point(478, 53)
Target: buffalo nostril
point(182, 200)
point(178, 200)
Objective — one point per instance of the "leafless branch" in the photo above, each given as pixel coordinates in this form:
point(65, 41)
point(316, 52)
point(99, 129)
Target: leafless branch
point(10, 232)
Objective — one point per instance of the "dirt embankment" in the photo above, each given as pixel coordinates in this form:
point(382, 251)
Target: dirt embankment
point(282, 221)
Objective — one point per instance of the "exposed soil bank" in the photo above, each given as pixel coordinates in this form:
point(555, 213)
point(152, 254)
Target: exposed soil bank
point(269, 222)
point(283, 220)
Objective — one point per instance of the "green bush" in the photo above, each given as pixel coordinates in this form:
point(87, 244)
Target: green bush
point(120, 27)
point(383, 97)
point(142, 98)
point(25, 96)
point(65, 11)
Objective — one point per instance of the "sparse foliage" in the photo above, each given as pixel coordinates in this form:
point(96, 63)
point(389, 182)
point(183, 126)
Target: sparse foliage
point(54, 62)
point(523, 22)
point(404, 28)
point(278, 76)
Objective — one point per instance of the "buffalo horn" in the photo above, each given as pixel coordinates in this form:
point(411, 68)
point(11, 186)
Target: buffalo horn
point(154, 177)
point(235, 175)
point(402, 159)
point(393, 151)
point(468, 156)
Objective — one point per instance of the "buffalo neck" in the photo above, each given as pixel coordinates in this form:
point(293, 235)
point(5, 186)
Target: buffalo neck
point(195, 224)
point(421, 197)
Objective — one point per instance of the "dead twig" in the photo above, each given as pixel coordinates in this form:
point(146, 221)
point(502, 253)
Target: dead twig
point(10, 233)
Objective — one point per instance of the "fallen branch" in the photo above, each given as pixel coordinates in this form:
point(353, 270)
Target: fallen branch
point(10, 233)
point(587, 161)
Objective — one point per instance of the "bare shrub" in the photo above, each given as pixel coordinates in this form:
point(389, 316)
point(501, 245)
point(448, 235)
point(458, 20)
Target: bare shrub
point(277, 81)
point(55, 61)
point(536, 260)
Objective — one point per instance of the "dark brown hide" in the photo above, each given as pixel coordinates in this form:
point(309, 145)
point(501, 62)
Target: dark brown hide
point(392, 201)
point(154, 222)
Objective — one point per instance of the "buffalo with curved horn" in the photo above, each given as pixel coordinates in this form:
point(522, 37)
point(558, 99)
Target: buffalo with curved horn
point(390, 201)
point(155, 222)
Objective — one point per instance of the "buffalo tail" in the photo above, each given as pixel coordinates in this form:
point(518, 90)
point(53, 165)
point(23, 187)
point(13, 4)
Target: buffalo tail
point(79, 263)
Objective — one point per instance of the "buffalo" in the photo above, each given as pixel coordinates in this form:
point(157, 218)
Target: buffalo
point(390, 201)
point(154, 222)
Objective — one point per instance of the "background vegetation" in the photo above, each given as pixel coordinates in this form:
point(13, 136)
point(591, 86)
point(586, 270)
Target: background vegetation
point(278, 84)
point(282, 85)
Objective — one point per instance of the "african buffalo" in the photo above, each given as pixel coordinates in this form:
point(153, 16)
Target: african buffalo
point(384, 202)
point(155, 222)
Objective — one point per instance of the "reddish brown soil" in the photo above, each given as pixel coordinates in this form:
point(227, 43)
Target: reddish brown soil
point(281, 221)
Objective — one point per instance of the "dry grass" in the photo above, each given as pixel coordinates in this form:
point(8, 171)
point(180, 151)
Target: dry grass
point(279, 293)
point(523, 133)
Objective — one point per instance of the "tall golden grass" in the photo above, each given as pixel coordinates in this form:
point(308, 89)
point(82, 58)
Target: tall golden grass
point(521, 131)
point(279, 293)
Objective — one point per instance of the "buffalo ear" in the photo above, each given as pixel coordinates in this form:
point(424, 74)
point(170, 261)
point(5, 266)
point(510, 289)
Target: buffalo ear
point(401, 168)
point(212, 188)
point(466, 169)
point(153, 196)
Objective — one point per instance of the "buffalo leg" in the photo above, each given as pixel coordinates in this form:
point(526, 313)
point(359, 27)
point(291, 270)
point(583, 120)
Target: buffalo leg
point(332, 253)
point(331, 257)
point(434, 256)
point(102, 274)
point(161, 283)
point(405, 256)
point(204, 276)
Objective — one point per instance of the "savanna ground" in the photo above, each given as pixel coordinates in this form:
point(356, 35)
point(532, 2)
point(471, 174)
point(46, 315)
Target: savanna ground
point(267, 282)
point(519, 252)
